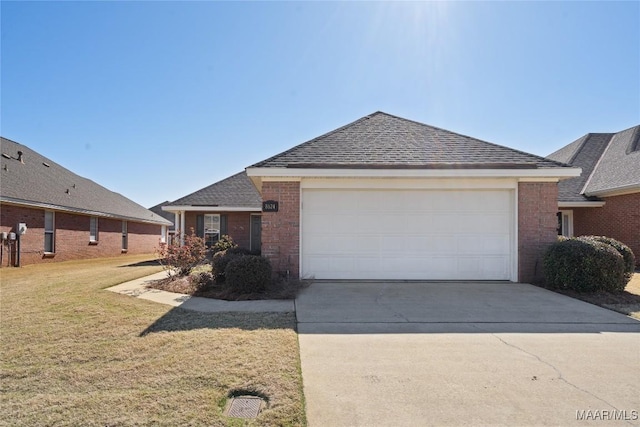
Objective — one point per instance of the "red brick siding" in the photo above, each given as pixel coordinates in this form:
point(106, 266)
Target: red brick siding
point(537, 222)
point(281, 230)
point(238, 225)
point(618, 218)
point(72, 236)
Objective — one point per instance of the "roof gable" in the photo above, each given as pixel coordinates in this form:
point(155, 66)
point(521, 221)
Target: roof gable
point(584, 153)
point(38, 181)
point(236, 191)
point(619, 165)
point(609, 162)
point(381, 140)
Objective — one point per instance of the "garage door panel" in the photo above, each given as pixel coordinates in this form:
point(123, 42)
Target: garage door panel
point(407, 234)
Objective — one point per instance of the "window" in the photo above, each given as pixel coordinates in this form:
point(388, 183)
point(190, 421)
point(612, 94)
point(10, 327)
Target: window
point(125, 237)
point(211, 229)
point(93, 229)
point(49, 231)
point(565, 223)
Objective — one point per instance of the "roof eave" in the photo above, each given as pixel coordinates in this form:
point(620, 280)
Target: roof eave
point(178, 208)
point(559, 173)
point(617, 191)
point(584, 204)
point(88, 212)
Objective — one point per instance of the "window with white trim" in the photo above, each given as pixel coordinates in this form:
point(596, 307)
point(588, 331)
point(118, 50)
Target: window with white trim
point(93, 229)
point(125, 236)
point(565, 223)
point(211, 228)
point(49, 231)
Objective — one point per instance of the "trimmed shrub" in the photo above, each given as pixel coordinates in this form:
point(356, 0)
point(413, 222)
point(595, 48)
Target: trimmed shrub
point(625, 251)
point(584, 265)
point(247, 274)
point(221, 259)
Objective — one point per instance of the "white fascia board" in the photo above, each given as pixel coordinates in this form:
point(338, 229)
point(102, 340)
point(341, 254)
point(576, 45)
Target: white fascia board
point(281, 173)
point(619, 191)
point(410, 183)
point(585, 204)
point(209, 209)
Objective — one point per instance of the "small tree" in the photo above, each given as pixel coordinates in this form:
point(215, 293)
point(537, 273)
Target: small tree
point(182, 258)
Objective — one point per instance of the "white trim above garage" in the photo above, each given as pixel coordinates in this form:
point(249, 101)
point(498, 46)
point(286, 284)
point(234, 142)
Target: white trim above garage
point(409, 230)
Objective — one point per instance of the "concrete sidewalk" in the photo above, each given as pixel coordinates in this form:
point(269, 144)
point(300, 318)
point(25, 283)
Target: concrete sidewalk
point(137, 288)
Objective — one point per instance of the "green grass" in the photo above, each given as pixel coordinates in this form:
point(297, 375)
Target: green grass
point(74, 354)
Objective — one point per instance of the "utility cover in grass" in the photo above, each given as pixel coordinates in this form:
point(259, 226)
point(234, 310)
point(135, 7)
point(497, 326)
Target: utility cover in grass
point(245, 407)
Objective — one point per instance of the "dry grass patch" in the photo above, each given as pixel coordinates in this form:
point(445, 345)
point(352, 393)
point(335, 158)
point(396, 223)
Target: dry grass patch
point(73, 354)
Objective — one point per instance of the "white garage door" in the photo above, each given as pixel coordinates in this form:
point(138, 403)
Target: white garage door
point(407, 234)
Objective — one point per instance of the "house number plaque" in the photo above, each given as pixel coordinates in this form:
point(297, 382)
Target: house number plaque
point(269, 206)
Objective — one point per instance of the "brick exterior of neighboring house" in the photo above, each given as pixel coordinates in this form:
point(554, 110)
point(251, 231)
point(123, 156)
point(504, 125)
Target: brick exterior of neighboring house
point(35, 188)
point(618, 218)
point(71, 237)
point(605, 199)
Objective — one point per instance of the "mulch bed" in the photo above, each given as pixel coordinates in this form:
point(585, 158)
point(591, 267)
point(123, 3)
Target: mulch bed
point(189, 285)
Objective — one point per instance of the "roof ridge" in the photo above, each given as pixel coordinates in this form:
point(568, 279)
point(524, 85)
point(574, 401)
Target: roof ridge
point(324, 135)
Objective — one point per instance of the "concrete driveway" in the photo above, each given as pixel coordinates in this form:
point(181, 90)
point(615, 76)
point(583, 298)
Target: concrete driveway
point(408, 354)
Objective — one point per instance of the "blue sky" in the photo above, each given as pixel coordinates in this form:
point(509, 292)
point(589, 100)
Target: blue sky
point(155, 100)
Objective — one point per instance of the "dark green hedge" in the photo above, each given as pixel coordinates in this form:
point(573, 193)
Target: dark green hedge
point(624, 250)
point(247, 274)
point(584, 265)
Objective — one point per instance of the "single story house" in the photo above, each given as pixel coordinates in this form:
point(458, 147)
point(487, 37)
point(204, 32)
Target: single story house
point(230, 207)
point(390, 198)
point(605, 198)
point(48, 213)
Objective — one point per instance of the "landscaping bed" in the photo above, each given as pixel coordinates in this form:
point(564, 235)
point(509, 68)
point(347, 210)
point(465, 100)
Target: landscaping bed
point(200, 283)
point(625, 302)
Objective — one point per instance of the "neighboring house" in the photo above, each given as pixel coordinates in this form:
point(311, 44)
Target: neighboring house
point(65, 216)
point(605, 199)
point(231, 206)
point(389, 198)
point(171, 230)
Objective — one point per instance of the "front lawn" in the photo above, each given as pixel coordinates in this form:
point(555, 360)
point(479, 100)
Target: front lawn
point(74, 354)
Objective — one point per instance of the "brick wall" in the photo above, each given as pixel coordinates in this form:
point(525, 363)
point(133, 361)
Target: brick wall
point(618, 218)
point(281, 230)
point(537, 222)
point(72, 236)
point(238, 225)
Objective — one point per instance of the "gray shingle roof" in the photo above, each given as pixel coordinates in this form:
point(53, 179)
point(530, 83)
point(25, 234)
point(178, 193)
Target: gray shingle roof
point(39, 181)
point(157, 209)
point(236, 191)
point(619, 165)
point(585, 153)
point(381, 140)
point(609, 161)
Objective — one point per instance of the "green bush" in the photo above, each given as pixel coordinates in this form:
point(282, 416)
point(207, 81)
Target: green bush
point(584, 265)
point(219, 263)
point(625, 251)
point(225, 242)
point(247, 274)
